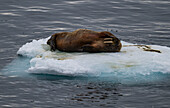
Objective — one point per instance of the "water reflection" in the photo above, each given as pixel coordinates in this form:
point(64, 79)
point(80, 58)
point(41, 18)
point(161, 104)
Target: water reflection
point(97, 93)
point(84, 91)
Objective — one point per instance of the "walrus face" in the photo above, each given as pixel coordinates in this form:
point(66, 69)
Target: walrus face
point(111, 42)
point(52, 42)
point(117, 44)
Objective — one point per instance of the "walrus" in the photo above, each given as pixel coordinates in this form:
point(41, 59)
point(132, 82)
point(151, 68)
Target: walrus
point(84, 40)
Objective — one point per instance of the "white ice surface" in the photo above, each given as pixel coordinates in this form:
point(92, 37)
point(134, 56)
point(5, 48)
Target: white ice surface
point(129, 62)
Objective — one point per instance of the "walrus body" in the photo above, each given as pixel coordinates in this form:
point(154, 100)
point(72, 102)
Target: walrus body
point(83, 40)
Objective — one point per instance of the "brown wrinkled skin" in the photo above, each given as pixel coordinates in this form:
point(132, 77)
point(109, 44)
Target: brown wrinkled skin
point(83, 40)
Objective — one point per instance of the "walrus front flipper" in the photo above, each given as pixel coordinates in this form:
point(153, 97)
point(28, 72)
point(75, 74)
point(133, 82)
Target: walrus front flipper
point(87, 48)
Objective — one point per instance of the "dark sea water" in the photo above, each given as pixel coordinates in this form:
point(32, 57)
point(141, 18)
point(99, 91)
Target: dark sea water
point(134, 21)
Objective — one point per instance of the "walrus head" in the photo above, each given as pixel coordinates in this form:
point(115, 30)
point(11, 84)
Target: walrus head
point(112, 41)
point(52, 42)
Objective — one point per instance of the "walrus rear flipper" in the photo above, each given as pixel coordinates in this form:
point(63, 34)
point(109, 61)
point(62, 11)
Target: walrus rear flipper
point(52, 42)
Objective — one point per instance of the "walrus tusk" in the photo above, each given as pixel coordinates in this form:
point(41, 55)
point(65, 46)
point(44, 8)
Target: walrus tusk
point(108, 39)
point(108, 42)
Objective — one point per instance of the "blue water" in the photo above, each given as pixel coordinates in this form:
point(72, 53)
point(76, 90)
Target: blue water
point(134, 21)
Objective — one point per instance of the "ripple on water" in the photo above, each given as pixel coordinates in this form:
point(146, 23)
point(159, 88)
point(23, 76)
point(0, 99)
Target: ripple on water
point(9, 13)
